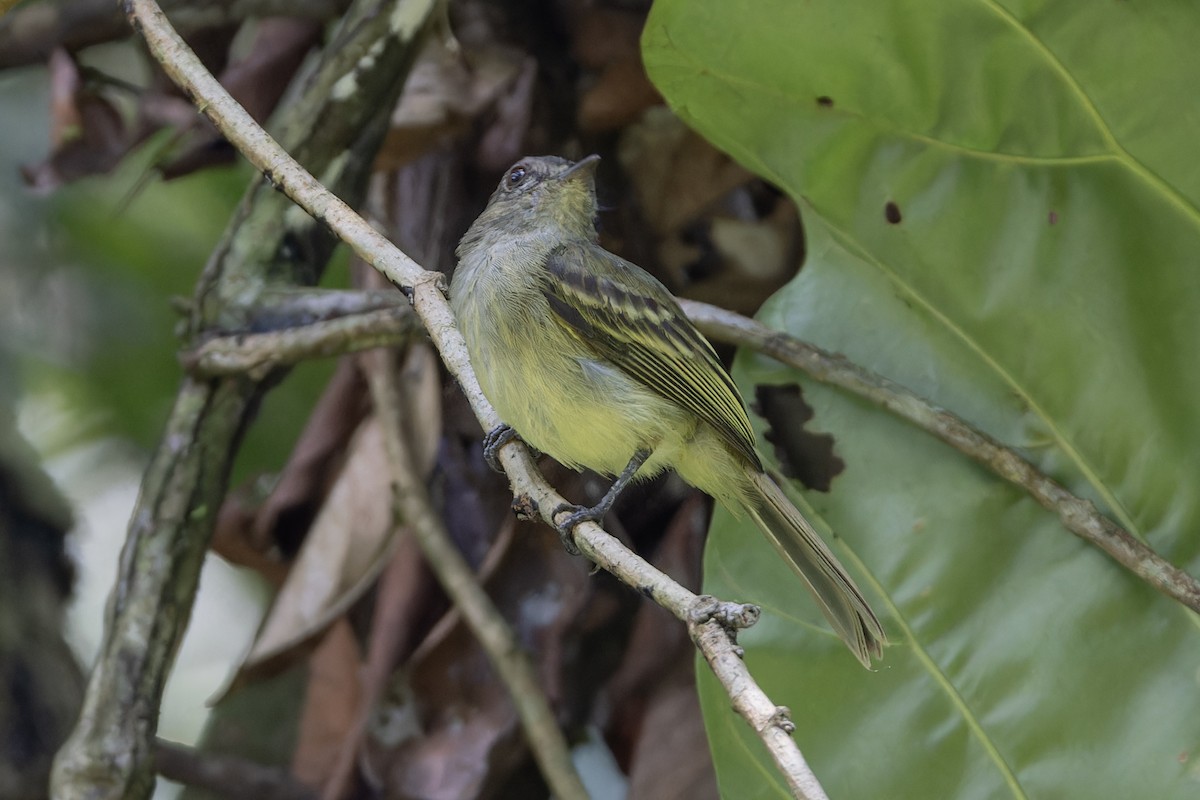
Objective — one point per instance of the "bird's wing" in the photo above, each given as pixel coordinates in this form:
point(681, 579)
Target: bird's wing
point(631, 320)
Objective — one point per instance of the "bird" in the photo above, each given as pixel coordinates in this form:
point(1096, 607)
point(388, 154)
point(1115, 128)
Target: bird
point(588, 358)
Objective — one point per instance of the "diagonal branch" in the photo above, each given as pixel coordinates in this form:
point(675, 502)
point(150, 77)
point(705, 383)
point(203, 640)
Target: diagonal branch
point(233, 354)
point(426, 290)
point(1078, 515)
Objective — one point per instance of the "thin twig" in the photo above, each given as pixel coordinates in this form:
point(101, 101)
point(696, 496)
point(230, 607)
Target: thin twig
point(258, 353)
point(278, 307)
point(229, 355)
point(546, 740)
point(1078, 515)
point(426, 290)
point(230, 777)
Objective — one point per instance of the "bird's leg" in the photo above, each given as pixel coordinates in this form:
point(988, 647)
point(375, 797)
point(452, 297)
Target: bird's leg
point(597, 512)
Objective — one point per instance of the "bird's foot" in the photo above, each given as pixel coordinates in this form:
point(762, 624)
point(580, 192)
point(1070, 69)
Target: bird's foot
point(597, 512)
point(496, 438)
point(566, 528)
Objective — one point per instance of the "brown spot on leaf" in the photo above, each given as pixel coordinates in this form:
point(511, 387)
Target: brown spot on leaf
point(1053, 217)
point(825, 101)
point(805, 456)
point(891, 212)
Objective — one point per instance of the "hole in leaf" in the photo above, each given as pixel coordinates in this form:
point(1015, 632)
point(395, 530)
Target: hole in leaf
point(804, 456)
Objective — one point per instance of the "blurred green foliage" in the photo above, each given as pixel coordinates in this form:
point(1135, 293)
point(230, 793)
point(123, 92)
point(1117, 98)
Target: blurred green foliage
point(90, 273)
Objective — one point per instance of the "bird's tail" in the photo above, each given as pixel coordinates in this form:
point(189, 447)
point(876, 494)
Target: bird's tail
point(835, 591)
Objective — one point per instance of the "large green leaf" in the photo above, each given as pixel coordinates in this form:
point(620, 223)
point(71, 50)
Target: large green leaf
point(1038, 274)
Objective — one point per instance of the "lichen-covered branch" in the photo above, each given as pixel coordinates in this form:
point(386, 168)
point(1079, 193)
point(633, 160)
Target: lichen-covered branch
point(110, 753)
point(257, 354)
point(426, 290)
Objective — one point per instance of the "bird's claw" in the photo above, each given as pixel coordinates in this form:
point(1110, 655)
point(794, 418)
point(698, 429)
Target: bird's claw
point(566, 528)
point(496, 438)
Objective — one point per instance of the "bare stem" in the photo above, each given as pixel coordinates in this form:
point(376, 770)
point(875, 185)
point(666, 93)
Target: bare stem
point(227, 776)
point(545, 738)
point(426, 290)
point(1078, 515)
point(258, 353)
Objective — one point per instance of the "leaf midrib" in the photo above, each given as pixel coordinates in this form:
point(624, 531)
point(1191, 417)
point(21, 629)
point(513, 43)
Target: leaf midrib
point(1118, 153)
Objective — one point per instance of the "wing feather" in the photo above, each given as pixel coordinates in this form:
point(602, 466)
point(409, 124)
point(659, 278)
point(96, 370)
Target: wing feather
point(631, 320)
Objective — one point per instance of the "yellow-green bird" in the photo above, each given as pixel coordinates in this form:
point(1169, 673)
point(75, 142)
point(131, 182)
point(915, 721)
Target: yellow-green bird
point(588, 358)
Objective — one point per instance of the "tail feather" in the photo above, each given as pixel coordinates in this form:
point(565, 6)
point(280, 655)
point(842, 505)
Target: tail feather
point(835, 591)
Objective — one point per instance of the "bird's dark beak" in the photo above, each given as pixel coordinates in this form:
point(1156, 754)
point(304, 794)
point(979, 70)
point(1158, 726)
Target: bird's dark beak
point(583, 168)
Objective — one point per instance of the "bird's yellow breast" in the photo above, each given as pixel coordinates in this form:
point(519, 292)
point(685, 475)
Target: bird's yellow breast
point(544, 382)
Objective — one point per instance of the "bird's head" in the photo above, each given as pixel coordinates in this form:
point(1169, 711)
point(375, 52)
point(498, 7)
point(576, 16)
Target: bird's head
point(547, 191)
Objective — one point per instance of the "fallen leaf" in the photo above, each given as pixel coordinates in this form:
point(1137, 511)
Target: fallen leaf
point(287, 514)
point(88, 134)
point(347, 546)
point(676, 175)
point(331, 701)
point(257, 81)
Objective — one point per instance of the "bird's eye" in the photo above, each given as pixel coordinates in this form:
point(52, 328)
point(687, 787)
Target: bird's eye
point(517, 176)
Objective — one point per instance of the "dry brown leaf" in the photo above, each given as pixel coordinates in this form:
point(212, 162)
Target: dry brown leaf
point(233, 538)
point(607, 41)
point(407, 595)
point(331, 703)
point(656, 728)
point(676, 175)
point(619, 96)
point(347, 546)
point(657, 639)
point(602, 36)
point(469, 742)
point(314, 462)
point(257, 81)
point(88, 134)
point(671, 761)
point(444, 93)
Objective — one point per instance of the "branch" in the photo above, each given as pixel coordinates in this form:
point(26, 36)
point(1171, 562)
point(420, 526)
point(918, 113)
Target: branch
point(1079, 516)
point(252, 353)
point(257, 354)
point(110, 752)
point(545, 737)
point(28, 34)
point(227, 776)
point(426, 290)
